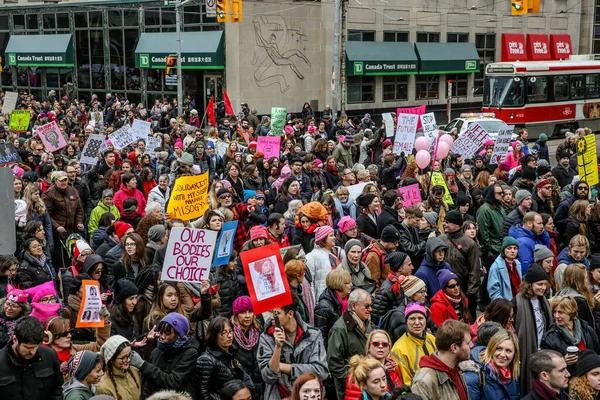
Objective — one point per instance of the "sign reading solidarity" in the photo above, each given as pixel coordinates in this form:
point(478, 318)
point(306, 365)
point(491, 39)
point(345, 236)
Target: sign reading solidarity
point(269, 146)
point(429, 126)
point(411, 194)
point(19, 121)
point(189, 255)
point(438, 179)
point(278, 116)
point(51, 136)
point(405, 134)
point(91, 306)
point(470, 141)
point(587, 159)
point(502, 144)
point(189, 198)
point(122, 137)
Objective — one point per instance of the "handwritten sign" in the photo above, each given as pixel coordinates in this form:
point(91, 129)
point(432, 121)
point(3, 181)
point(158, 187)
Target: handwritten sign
point(122, 137)
point(278, 121)
point(8, 154)
point(419, 110)
point(438, 179)
point(10, 102)
point(470, 141)
point(269, 145)
point(405, 134)
point(411, 194)
point(189, 197)
point(429, 126)
point(587, 159)
point(51, 136)
point(389, 124)
point(225, 243)
point(152, 143)
point(502, 144)
point(140, 129)
point(91, 306)
point(19, 121)
point(189, 255)
point(91, 150)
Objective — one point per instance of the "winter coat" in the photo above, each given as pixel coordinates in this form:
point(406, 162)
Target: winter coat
point(7, 326)
point(432, 382)
point(463, 256)
point(306, 354)
point(327, 311)
point(388, 216)
point(229, 290)
point(125, 193)
point(574, 227)
point(129, 384)
point(157, 195)
point(375, 262)
point(411, 243)
point(343, 155)
point(556, 339)
point(388, 174)
point(128, 331)
point(428, 270)
point(353, 392)
point(441, 309)
point(513, 217)
point(527, 241)
point(564, 176)
point(398, 325)
point(47, 224)
point(318, 263)
point(491, 387)
point(498, 285)
point(214, 368)
point(172, 370)
point(367, 225)
point(564, 260)
point(385, 300)
point(249, 362)
point(408, 351)
point(32, 273)
point(38, 379)
point(490, 220)
point(361, 277)
point(65, 208)
point(584, 311)
point(541, 150)
point(346, 340)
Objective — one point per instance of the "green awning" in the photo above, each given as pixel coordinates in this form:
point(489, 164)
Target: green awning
point(447, 58)
point(380, 58)
point(199, 50)
point(40, 50)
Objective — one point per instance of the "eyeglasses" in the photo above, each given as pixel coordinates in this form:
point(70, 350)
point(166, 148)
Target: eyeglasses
point(126, 357)
point(385, 345)
point(64, 334)
point(12, 305)
point(47, 299)
point(129, 244)
point(225, 196)
point(367, 306)
point(453, 286)
point(583, 188)
point(226, 333)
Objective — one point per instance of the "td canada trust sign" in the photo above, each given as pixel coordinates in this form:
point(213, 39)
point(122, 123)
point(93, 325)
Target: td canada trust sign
point(38, 60)
point(382, 68)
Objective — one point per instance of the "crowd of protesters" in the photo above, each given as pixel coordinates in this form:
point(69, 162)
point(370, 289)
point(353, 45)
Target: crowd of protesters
point(492, 295)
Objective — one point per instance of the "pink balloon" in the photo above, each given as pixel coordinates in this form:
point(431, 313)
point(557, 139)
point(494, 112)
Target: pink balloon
point(421, 143)
point(448, 139)
point(442, 150)
point(422, 158)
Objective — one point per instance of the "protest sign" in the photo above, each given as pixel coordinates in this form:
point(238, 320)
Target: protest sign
point(411, 194)
point(438, 179)
point(89, 154)
point(502, 144)
point(225, 243)
point(152, 143)
point(96, 119)
point(51, 136)
point(429, 126)
point(189, 197)
point(278, 121)
point(470, 141)
point(266, 279)
point(221, 148)
point(189, 255)
point(10, 102)
point(587, 159)
point(419, 110)
point(389, 124)
point(140, 129)
point(269, 145)
point(355, 190)
point(405, 133)
point(19, 121)
point(8, 154)
point(122, 137)
point(284, 250)
point(91, 306)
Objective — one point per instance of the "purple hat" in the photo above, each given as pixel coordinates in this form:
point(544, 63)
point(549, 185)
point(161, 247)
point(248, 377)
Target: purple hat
point(444, 276)
point(242, 304)
point(180, 324)
point(322, 232)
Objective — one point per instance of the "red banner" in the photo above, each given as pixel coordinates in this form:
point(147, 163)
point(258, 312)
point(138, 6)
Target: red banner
point(419, 110)
point(513, 47)
point(538, 47)
point(210, 112)
point(560, 46)
point(266, 278)
point(228, 107)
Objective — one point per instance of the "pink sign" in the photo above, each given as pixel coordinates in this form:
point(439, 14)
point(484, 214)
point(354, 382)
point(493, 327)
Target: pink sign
point(51, 136)
point(413, 110)
point(269, 145)
point(411, 194)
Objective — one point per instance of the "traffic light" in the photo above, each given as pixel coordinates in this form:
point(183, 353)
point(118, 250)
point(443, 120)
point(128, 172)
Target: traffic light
point(236, 10)
point(171, 68)
point(524, 7)
point(222, 10)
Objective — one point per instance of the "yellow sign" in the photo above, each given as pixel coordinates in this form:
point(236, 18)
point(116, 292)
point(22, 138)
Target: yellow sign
point(19, 121)
point(438, 179)
point(587, 159)
point(189, 198)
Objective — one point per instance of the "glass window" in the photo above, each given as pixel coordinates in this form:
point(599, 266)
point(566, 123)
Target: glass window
point(81, 19)
point(131, 17)
point(83, 59)
point(486, 47)
point(32, 22)
point(132, 74)
point(592, 86)
point(115, 18)
point(19, 22)
point(97, 53)
point(458, 37)
point(152, 17)
point(49, 21)
point(427, 87)
point(428, 37)
point(62, 20)
point(361, 36)
point(3, 22)
point(536, 89)
point(167, 17)
point(117, 61)
point(361, 89)
point(95, 19)
point(459, 84)
point(561, 87)
point(191, 15)
point(155, 80)
point(577, 87)
point(395, 88)
point(394, 36)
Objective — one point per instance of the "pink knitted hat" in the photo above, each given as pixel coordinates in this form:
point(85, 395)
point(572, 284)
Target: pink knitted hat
point(322, 232)
point(242, 304)
point(258, 232)
point(346, 223)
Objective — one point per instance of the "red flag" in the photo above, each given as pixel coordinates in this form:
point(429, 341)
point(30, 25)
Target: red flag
point(228, 107)
point(210, 111)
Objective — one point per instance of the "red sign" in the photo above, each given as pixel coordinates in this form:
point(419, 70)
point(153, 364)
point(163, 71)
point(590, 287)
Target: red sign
point(560, 46)
point(538, 47)
point(513, 47)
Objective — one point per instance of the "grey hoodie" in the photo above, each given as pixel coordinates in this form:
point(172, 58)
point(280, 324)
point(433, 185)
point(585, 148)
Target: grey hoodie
point(72, 386)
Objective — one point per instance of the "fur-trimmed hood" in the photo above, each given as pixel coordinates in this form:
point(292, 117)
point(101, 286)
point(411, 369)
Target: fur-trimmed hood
point(170, 395)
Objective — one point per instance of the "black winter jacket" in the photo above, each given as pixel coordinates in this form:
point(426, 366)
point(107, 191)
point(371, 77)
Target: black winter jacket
point(327, 311)
point(229, 290)
point(384, 301)
point(31, 273)
point(249, 362)
point(411, 243)
point(214, 368)
point(388, 216)
point(554, 339)
point(511, 218)
point(367, 225)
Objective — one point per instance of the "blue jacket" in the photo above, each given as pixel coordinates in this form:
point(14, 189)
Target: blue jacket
point(565, 258)
point(498, 285)
point(493, 388)
point(527, 241)
point(428, 269)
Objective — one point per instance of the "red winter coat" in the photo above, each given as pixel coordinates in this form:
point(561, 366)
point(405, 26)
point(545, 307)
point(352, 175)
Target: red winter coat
point(353, 392)
point(125, 193)
point(441, 309)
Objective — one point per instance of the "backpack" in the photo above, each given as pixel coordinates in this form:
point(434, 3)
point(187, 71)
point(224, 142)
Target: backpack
point(376, 250)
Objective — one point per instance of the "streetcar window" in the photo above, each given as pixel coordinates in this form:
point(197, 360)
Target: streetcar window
point(577, 87)
point(561, 87)
point(592, 86)
point(505, 91)
point(537, 89)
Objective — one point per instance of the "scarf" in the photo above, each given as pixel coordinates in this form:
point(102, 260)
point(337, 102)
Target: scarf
point(395, 288)
point(360, 323)
point(504, 373)
point(194, 288)
point(454, 301)
point(572, 339)
point(245, 342)
point(172, 346)
point(333, 170)
point(544, 391)
point(513, 275)
point(64, 355)
point(343, 302)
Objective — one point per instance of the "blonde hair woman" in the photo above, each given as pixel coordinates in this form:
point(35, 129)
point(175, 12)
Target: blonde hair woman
point(370, 377)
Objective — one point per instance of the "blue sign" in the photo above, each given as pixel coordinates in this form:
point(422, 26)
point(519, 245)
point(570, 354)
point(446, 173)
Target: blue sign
point(225, 243)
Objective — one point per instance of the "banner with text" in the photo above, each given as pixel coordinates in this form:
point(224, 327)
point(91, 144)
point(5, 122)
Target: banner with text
point(122, 137)
point(269, 145)
point(419, 110)
point(10, 102)
point(90, 307)
point(438, 179)
point(429, 126)
point(19, 121)
point(587, 159)
point(189, 197)
point(470, 141)
point(189, 255)
point(389, 124)
point(225, 243)
point(411, 194)
point(140, 129)
point(502, 145)
point(8, 154)
point(278, 116)
point(51, 136)
point(405, 133)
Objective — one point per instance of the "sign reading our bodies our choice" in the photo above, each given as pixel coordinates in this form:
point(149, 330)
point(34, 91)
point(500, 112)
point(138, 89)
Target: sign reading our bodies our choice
point(189, 255)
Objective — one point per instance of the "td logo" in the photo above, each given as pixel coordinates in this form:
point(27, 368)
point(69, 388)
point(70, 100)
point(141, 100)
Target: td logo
point(358, 68)
point(12, 59)
point(144, 61)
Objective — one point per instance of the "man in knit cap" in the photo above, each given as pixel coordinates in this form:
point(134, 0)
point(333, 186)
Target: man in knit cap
point(410, 241)
point(378, 250)
point(390, 294)
point(524, 200)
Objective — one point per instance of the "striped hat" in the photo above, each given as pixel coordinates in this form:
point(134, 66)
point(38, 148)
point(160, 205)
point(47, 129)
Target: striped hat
point(411, 285)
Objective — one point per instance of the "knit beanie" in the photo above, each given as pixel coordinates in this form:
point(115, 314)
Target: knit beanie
point(395, 260)
point(522, 195)
point(258, 232)
point(40, 291)
point(431, 217)
point(346, 223)
point(186, 159)
point(444, 276)
point(415, 308)
point(365, 200)
point(543, 170)
point(587, 361)
point(594, 262)
point(322, 232)
point(535, 273)
point(528, 173)
point(17, 296)
point(248, 194)
point(390, 234)
point(178, 322)
point(226, 184)
point(454, 217)
point(351, 243)
point(80, 247)
point(121, 227)
point(178, 143)
point(508, 241)
point(109, 348)
point(124, 289)
point(156, 233)
point(81, 364)
point(223, 192)
point(461, 199)
point(242, 304)
point(411, 285)
point(541, 252)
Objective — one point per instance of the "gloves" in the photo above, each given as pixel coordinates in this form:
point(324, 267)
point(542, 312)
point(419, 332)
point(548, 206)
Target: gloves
point(136, 360)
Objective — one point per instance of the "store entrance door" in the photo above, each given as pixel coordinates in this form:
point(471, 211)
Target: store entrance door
point(213, 86)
